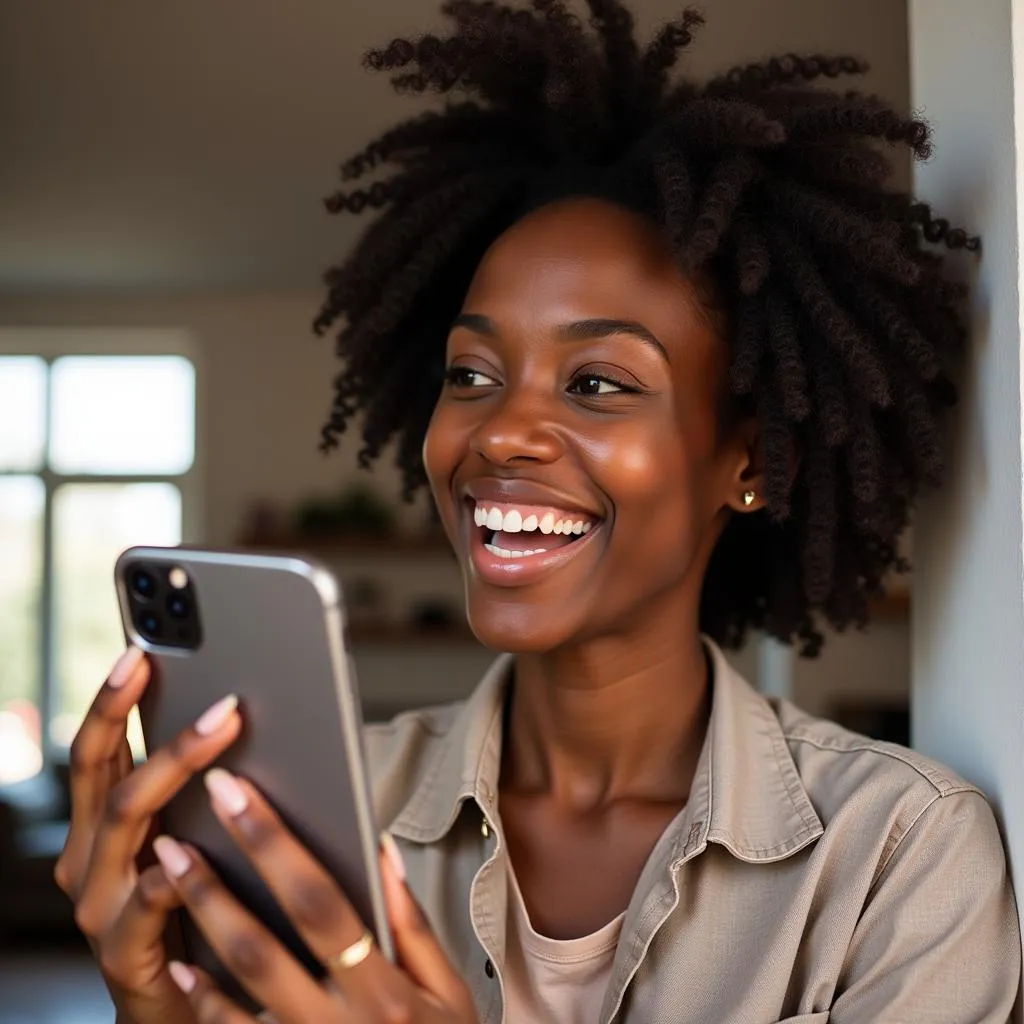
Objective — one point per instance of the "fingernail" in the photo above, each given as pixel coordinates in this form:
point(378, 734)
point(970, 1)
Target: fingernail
point(226, 791)
point(172, 855)
point(184, 977)
point(214, 717)
point(393, 854)
point(124, 667)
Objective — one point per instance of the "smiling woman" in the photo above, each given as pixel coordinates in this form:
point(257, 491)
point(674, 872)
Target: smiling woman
point(583, 377)
point(671, 358)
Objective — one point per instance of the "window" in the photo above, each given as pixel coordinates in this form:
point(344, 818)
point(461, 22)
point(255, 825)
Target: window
point(97, 446)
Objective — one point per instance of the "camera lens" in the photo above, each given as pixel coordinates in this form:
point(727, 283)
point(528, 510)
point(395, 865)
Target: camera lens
point(143, 584)
point(177, 606)
point(150, 624)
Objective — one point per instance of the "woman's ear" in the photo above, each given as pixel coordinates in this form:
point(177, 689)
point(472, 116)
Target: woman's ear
point(746, 489)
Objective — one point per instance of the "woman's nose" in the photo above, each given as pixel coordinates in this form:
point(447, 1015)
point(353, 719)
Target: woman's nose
point(518, 429)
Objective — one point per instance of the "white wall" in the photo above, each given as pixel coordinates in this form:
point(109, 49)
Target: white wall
point(968, 620)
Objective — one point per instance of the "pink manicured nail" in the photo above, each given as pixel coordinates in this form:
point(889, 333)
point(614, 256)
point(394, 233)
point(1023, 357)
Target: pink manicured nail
point(184, 977)
point(172, 855)
point(226, 791)
point(214, 717)
point(393, 854)
point(124, 667)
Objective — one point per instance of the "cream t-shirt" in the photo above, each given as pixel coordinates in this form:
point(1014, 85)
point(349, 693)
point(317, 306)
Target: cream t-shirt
point(554, 981)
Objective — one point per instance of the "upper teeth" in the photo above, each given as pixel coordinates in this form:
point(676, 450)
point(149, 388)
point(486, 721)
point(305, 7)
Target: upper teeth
point(514, 522)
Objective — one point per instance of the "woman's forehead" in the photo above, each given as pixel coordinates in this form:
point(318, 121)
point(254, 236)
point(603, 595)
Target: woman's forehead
point(592, 234)
point(586, 258)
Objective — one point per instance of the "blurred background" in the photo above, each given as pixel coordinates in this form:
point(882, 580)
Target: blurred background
point(161, 249)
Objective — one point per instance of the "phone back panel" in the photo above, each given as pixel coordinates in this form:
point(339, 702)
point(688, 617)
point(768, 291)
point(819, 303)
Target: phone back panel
point(273, 634)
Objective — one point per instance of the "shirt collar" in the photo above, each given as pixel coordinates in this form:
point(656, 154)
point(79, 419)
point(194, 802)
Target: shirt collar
point(465, 764)
point(746, 795)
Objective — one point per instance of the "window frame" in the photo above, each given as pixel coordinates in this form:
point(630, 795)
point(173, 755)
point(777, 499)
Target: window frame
point(51, 344)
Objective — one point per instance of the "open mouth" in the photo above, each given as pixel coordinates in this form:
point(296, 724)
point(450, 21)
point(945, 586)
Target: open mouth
point(521, 531)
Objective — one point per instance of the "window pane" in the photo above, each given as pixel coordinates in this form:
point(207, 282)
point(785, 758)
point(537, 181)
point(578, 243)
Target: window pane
point(22, 412)
point(93, 524)
point(122, 414)
point(21, 566)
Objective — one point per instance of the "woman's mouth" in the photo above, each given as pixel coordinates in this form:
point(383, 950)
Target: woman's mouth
point(511, 543)
point(521, 531)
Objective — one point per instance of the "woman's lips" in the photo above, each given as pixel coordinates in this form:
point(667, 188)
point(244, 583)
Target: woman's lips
point(539, 539)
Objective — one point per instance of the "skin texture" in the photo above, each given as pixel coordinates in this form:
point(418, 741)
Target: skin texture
point(611, 696)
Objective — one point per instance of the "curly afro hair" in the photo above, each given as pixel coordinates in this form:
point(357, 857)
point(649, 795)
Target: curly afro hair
point(840, 319)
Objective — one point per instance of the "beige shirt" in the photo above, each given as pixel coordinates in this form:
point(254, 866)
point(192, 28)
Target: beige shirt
point(813, 876)
point(554, 981)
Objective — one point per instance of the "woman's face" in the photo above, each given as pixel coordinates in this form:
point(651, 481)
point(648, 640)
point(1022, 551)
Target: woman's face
point(578, 455)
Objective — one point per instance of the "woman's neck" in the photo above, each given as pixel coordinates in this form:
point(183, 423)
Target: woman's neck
point(621, 717)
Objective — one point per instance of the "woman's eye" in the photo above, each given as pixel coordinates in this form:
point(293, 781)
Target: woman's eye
point(590, 384)
point(466, 377)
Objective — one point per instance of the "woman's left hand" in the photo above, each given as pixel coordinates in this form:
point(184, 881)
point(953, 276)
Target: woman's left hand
point(425, 989)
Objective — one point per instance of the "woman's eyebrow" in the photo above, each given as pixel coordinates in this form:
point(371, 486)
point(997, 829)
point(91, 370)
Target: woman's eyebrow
point(477, 323)
point(585, 330)
point(578, 330)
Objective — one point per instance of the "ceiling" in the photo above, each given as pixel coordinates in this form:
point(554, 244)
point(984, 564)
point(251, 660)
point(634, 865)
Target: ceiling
point(149, 145)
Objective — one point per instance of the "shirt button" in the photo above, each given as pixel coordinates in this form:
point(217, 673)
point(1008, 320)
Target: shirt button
point(485, 829)
point(489, 969)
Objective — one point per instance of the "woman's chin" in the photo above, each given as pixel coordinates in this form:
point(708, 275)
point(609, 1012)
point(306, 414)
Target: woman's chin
point(517, 630)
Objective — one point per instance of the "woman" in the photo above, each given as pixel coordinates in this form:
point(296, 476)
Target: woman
point(695, 360)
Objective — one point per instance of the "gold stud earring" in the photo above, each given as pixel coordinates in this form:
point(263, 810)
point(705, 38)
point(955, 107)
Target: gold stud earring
point(748, 498)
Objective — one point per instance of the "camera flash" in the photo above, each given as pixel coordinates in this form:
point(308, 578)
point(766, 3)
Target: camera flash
point(178, 578)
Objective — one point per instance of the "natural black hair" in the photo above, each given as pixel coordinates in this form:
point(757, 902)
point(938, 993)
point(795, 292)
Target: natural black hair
point(841, 321)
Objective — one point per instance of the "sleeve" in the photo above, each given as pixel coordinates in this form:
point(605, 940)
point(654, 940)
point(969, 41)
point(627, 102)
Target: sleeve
point(939, 938)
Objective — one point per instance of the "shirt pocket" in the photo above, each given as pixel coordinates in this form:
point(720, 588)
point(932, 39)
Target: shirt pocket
point(807, 1018)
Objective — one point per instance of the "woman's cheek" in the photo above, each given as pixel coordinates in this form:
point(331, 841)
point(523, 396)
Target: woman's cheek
point(441, 458)
point(651, 485)
point(636, 470)
point(441, 447)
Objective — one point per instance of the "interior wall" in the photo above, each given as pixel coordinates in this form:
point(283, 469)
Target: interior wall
point(968, 623)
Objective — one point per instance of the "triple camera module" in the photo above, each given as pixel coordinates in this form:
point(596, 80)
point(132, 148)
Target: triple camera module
point(163, 604)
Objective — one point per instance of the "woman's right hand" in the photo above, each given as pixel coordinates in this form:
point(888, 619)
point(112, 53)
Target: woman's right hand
point(123, 908)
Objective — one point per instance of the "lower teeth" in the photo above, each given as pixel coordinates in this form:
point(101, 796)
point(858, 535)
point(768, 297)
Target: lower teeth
point(505, 553)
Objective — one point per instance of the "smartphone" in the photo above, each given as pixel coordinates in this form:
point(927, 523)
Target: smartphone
point(270, 629)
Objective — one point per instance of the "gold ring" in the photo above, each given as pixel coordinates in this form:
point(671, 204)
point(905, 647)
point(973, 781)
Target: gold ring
point(352, 956)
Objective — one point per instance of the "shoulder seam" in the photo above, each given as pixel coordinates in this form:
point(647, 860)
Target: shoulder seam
point(899, 842)
point(913, 825)
point(942, 784)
